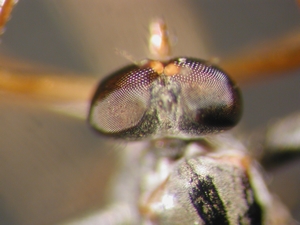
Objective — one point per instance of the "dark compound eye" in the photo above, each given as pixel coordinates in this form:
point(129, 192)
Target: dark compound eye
point(183, 97)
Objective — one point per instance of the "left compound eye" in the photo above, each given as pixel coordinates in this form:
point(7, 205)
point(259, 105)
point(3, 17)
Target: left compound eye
point(210, 100)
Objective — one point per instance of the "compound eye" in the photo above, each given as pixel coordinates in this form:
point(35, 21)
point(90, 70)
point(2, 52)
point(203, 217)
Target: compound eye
point(212, 102)
point(121, 100)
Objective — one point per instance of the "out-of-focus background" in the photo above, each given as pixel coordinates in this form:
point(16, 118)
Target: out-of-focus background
point(52, 166)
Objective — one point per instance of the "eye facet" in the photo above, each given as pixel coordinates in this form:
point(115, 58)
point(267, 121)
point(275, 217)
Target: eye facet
point(183, 98)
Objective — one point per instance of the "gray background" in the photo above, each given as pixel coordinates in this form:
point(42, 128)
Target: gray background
point(52, 166)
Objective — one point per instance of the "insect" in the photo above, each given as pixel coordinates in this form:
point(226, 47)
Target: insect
point(188, 173)
point(176, 143)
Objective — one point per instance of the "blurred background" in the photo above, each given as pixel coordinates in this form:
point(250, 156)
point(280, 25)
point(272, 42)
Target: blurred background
point(52, 166)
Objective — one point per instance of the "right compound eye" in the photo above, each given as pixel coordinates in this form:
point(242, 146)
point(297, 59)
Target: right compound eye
point(121, 100)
